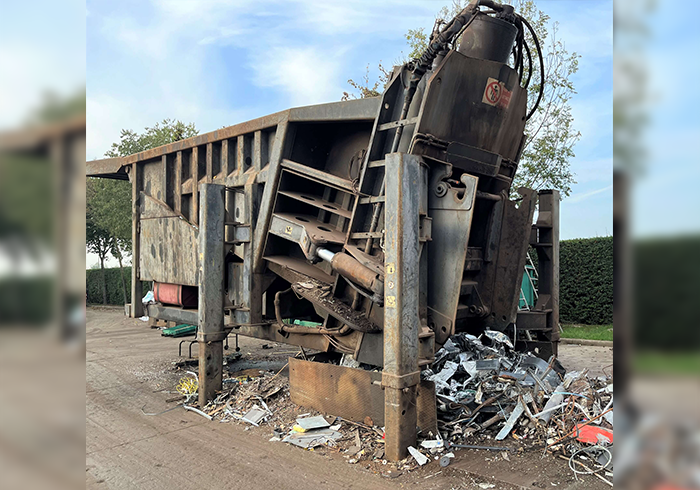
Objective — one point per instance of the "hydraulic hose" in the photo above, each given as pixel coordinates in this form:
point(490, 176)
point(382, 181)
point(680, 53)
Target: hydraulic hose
point(541, 60)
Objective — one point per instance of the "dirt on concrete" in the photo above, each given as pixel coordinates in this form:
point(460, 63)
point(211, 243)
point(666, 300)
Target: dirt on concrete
point(131, 370)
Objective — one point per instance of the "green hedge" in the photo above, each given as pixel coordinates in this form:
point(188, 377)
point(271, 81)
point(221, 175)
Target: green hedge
point(115, 296)
point(26, 301)
point(666, 287)
point(586, 281)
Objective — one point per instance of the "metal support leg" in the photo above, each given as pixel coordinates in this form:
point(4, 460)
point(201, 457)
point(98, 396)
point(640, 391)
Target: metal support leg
point(211, 290)
point(136, 177)
point(401, 303)
point(548, 285)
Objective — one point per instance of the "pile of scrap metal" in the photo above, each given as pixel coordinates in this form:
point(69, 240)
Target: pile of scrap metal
point(252, 396)
point(484, 387)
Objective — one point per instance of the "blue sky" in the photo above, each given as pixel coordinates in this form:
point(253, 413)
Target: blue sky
point(217, 63)
point(664, 198)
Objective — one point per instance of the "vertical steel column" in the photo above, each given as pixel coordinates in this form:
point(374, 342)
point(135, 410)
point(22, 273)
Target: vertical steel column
point(212, 212)
point(136, 177)
point(401, 376)
point(548, 279)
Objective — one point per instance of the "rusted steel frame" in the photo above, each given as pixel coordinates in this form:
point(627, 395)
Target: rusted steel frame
point(105, 166)
point(209, 163)
point(203, 139)
point(270, 190)
point(316, 385)
point(364, 109)
point(194, 165)
point(172, 314)
point(211, 331)
point(548, 282)
point(350, 110)
point(401, 317)
point(178, 183)
point(136, 175)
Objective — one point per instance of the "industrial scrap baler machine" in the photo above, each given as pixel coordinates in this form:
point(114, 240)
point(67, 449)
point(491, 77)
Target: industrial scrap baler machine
point(373, 229)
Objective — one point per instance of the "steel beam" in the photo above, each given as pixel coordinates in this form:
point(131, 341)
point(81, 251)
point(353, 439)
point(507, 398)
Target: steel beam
point(212, 212)
point(401, 375)
point(136, 176)
point(548, 278)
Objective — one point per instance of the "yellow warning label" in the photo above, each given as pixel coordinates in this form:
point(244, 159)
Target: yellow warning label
point(390, 302)
point(390, 268)
point(288, 230)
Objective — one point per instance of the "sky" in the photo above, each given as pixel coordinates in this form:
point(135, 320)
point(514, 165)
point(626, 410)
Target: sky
point(220, 62)
point(48, 55)
point(664, 196)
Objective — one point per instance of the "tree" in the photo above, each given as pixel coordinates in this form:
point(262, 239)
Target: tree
point(160, 134)
point(109, 201)
point(98, 241)
point(550, 133)
point(364, 88)
point(109, 207)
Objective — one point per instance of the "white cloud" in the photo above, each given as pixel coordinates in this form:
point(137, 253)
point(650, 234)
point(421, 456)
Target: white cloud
point(575, 198)
point(36, 69)
point(307, 75)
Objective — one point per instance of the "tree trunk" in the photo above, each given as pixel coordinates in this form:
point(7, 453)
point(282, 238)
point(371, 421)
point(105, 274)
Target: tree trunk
point(104, 281)
point(121, 270)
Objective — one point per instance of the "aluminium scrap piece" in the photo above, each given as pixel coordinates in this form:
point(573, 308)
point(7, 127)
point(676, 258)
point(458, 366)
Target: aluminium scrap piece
point(483, 385)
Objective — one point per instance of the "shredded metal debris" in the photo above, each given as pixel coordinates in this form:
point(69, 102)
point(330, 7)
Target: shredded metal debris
point(488, 395)
point(486, 390)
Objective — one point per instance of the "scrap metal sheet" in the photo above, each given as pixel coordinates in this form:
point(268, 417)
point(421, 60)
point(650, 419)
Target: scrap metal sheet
point(350, 393)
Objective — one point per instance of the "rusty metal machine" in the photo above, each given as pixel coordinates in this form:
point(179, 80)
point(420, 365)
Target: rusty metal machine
point(373, 229)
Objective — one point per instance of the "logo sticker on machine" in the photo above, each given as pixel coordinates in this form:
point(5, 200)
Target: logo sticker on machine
point(496, 94)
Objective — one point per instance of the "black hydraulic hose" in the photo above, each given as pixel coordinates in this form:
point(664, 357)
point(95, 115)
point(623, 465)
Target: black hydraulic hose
point(539, 55)
point(529, 62)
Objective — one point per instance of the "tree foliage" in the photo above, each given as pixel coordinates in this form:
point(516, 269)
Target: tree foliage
point(98, 241)
point(159, 134)
point(551, 135)
point(367, 89)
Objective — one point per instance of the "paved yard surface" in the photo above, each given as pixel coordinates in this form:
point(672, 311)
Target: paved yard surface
point(130, 366)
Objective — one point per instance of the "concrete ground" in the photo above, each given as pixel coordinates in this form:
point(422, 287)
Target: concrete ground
point(598, 360)
point(129, 368)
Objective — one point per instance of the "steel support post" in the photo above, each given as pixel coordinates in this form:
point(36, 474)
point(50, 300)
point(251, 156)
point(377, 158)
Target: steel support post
point(212, 212)
point(401, 376)
point(136, 177)
point(548, 282)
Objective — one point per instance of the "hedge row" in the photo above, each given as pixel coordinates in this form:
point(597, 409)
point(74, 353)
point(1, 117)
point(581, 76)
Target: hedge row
point(26, 301)
point(115, 294)
point(586, 281)
point(666, 285)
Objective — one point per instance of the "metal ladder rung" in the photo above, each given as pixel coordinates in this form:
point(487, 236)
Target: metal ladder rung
point(396, 124)
point(371, 199)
